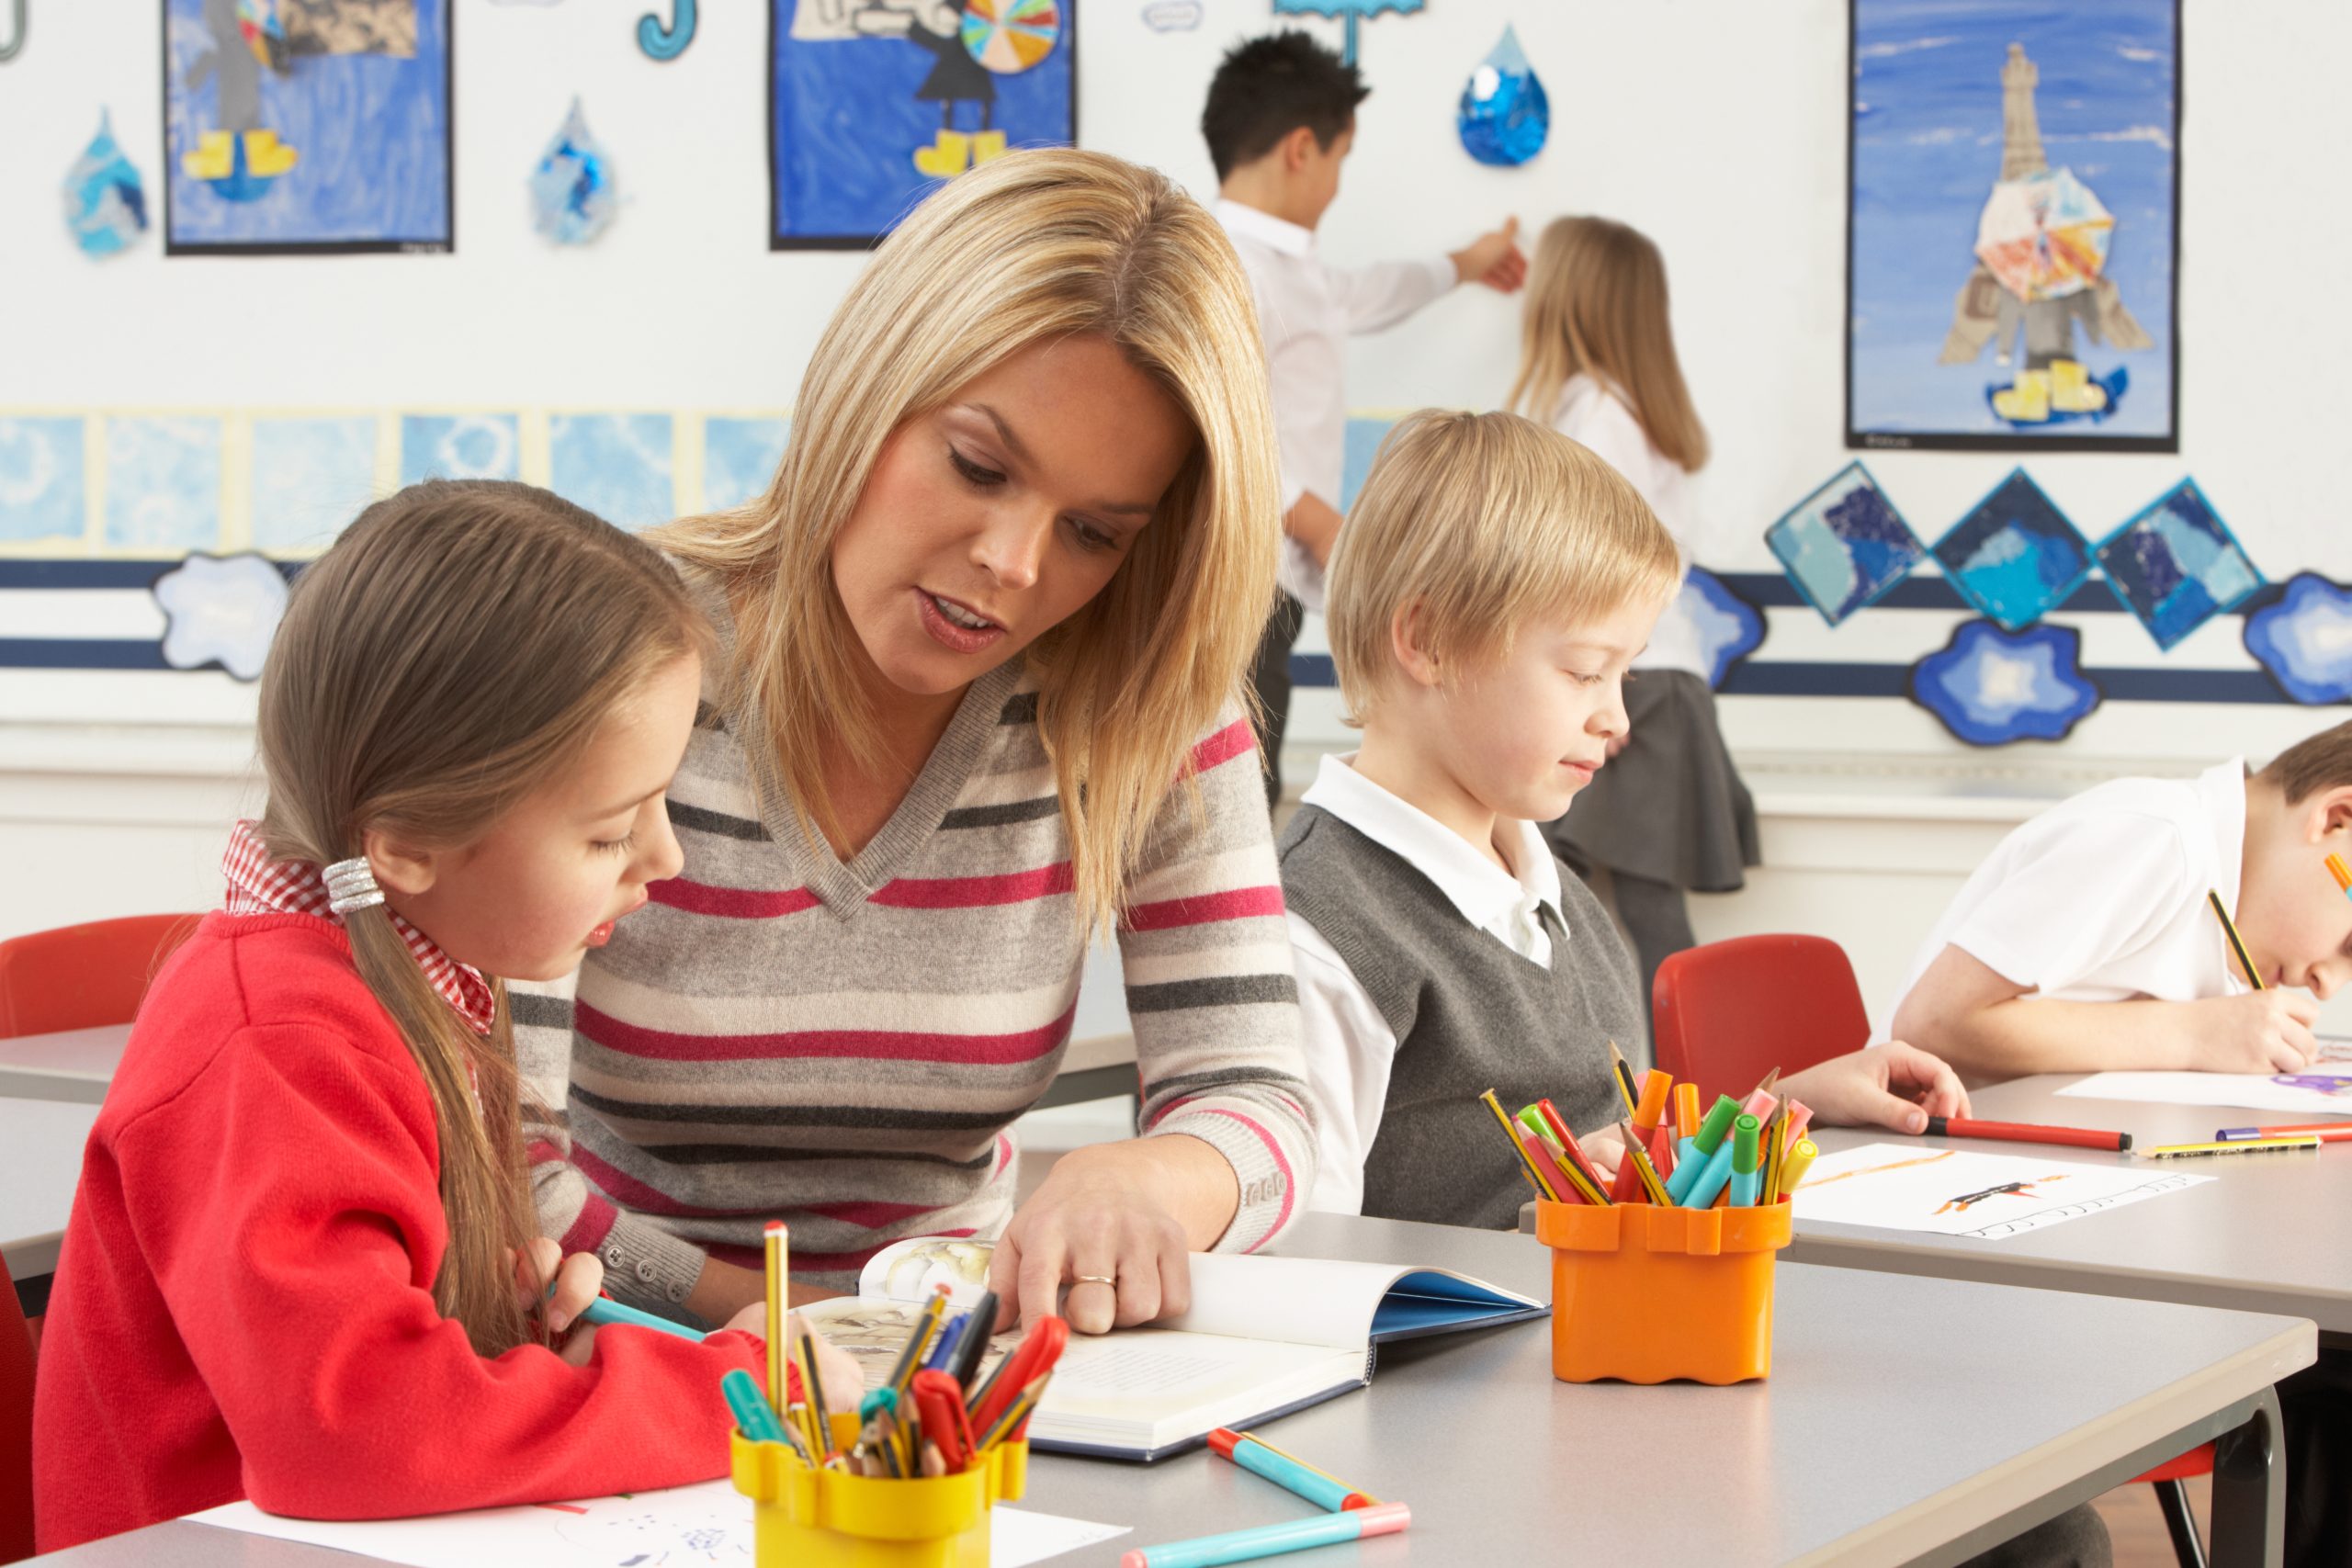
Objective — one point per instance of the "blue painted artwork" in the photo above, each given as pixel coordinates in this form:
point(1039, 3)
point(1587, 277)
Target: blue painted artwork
point(2012, 224)
point(291, 125)
point(618, 466)
point(41, 490)
point(2014, 556)
point(1359, 444)
point(1504, 114)
point(1991, 687)
point(2304, 639)
point(163, 483)
point(2177, 565)
point(311, 475)
point(874, 103)
point(739, 458)
point(221, 611)
point(573, 198)
point(667, 41)
point(1843, 545)
point(1353, 10)
point(1729, 628)
point(106, 201)
point(459, 446)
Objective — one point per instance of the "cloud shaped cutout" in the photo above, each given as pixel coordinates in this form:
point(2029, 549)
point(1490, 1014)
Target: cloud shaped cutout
point(2304, 639)
point(1990, 687)
point(222, 610)
point(1729, 628)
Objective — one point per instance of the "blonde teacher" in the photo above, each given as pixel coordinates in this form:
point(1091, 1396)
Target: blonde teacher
point(976, 701)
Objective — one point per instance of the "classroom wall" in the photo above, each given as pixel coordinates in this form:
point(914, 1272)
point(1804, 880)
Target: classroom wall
point(1718, 126)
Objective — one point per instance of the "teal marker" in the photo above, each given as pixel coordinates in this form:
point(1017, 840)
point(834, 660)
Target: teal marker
point(752, 1416)
point(1747, 1154)
point(604, 1309)
point(1690, 1165)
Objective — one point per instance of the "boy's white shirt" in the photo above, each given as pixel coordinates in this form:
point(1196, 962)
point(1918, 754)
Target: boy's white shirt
point(2101, 897)
point(1596, 415)
point(1305, 312)
point(1349, 1047)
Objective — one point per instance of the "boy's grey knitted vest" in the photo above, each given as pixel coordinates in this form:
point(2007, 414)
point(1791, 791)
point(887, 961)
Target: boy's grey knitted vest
point(1469, 1014)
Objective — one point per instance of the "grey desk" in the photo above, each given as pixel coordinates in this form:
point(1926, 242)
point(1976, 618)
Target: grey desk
point(40, 1160)
point(1906, 1420)
point(76, 1064)
point(2262, 1236)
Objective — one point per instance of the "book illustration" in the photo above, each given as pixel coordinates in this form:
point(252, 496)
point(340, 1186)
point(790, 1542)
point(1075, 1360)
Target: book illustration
point(1960, 1193)
point(917, 1268)
point(2320, 1089)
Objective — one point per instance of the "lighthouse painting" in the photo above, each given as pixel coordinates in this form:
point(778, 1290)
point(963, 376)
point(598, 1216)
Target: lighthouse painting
point(2013, 226)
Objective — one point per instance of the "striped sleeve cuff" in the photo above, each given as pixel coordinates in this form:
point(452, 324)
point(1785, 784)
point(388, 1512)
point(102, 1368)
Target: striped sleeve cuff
point(645, 1265)
point(1266, 1162)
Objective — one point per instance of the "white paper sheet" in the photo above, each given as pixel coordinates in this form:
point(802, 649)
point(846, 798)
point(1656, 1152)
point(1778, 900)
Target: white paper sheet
point(687, 1527)
point(1908, 1187)
point(2324, 1088)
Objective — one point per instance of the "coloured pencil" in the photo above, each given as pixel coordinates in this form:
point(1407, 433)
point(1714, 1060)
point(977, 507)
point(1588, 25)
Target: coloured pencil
point(1644, 1174)
point(2326, 1132)
point(776, 1242)
point(2237, 944)
point(2232, 1147)
point(1510, 1135)
point(816, 1395)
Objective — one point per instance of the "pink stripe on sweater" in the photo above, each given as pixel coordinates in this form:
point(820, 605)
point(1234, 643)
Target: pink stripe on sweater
point(1273, 1147)
point(879, 1044)
point(590, 1226)
point(813, 1262)
point(975, 892)
point(730, 903)
point(1231, 903)
point(1233, 740)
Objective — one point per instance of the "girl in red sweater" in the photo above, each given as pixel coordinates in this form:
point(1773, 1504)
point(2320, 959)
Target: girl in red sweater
point(302, 1265)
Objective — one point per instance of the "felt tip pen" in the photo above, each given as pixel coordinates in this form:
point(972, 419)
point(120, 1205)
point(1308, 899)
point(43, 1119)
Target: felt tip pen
point(1747, 1154)
point(950, 1333)
point(750, 1407)
point(604, 1310)
point(2026, 1133)
point(1691, 1164)
point(2342, 873)
point(2326, 1132)
point(2233, 1146)
point(1715, 1174)
point(1800, 1160)
point(1685, 1110)
point(1270, 1540)
point(1800, 1117)
point(1286, 1473)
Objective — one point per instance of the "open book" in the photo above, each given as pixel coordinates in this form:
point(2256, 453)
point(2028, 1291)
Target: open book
point(1265, 1336)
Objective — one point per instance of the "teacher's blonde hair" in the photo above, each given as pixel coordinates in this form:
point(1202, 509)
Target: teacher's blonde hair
point(1032, 246)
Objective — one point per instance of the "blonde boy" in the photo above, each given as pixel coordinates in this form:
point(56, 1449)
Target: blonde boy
point(1493, 583)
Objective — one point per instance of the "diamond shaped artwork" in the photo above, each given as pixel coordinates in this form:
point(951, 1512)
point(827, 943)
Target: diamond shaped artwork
point(1845, 543)
point(2013, 555)
point(2176, 565)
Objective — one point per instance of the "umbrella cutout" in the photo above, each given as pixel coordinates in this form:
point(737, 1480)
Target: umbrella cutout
point(1504, 114)
point(573, 198)
point(1353, 10)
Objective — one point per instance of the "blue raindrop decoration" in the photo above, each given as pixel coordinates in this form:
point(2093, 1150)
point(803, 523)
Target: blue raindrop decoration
point(1505, 115)
point(572, 189)
point(106, 201)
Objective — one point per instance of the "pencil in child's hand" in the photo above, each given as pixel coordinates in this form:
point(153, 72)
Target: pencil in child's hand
point(2237, 944)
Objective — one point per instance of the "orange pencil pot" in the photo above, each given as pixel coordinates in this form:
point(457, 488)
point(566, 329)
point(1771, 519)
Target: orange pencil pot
point(830, 1518)
point(1649, 1295)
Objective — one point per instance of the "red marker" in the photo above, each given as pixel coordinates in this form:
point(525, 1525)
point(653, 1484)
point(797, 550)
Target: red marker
point(2027, 1132)
point(1039, 1349)
point(939, 1401)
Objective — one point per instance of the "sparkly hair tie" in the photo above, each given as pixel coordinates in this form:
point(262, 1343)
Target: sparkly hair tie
point(352, 886)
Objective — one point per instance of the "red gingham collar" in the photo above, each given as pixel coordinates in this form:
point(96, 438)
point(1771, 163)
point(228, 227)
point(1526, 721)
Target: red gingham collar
point(260, 885)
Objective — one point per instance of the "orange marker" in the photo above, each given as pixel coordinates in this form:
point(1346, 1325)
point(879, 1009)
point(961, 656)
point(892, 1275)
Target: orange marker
point(2342, 873)
point(1688, 1113)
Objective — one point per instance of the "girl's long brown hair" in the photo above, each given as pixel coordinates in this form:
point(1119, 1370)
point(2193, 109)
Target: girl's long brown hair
point(1596, 303)
point(455, 648)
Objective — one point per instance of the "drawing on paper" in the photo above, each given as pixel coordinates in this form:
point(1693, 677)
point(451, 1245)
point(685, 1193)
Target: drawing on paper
point(617, 465)
point(1962, 1193)
point(311, 475)
point(163, 477)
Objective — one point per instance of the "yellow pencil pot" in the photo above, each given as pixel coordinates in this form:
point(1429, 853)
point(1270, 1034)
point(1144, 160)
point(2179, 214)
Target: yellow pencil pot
point(829, 1518)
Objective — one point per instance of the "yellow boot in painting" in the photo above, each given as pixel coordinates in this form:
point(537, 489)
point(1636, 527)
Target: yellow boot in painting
point(945, 158)
point(987, 145)
point(214, 158)
point(265, 155)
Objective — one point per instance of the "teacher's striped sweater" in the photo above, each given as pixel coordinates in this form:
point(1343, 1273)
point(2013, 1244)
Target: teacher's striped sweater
point(843, 1047)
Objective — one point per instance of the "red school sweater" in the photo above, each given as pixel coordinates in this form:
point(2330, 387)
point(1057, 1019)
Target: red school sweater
point(243, 1307)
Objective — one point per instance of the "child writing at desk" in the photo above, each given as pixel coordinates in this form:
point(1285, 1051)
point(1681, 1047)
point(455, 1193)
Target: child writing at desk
point(302, 1265)
point(1493, 584)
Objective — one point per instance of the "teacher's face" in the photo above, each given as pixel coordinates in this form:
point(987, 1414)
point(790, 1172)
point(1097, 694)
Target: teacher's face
point(994, 518)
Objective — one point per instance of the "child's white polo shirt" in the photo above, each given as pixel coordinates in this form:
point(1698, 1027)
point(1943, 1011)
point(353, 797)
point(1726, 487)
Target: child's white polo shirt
point(2102, 897)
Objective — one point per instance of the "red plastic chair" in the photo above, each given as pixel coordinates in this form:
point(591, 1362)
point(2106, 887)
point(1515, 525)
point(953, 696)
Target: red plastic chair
point(1729, 1012)
point(15, 1425)
point(84, 977)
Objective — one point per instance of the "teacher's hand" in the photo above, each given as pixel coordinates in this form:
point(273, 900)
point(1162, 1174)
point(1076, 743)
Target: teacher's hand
point(1095, 1226)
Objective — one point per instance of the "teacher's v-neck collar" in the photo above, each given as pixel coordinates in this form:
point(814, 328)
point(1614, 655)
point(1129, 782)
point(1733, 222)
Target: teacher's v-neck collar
point(844, 889)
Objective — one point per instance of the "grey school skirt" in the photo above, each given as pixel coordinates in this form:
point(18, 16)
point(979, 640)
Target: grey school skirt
point(1671, 806)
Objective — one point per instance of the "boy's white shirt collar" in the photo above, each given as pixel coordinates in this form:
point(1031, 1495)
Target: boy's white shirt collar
point(1283, 235)
point(1499, 902)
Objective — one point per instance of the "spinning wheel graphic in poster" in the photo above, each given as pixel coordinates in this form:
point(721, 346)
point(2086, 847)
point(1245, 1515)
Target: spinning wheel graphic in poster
point(873, 103)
